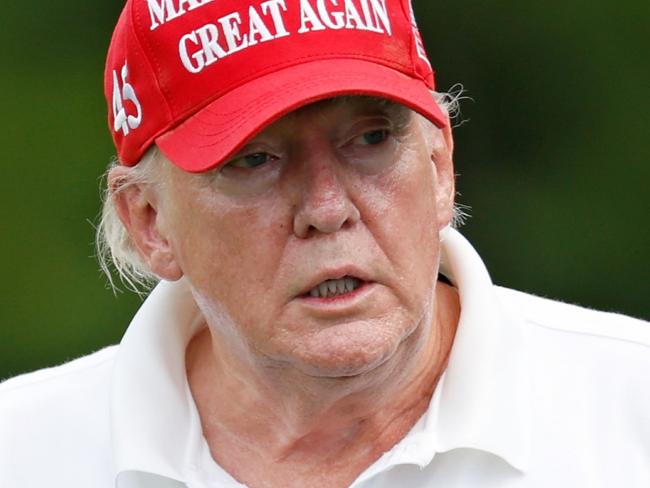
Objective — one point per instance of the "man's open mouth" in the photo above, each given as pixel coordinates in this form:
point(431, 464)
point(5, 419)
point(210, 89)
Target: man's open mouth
point(335, 288)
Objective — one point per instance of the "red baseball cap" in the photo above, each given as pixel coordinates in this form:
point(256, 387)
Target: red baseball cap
point(201, 77)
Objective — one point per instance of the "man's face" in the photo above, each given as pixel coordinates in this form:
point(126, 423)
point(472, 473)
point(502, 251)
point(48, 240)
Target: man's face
point(316, 247)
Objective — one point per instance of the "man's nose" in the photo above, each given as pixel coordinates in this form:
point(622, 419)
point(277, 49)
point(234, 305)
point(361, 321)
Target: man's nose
point(323, 202)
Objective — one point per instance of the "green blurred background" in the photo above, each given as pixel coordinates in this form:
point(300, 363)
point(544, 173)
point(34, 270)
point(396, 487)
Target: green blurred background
point(553, 158)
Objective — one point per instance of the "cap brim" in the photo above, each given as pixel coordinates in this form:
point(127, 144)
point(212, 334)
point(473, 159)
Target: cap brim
point(216, 132)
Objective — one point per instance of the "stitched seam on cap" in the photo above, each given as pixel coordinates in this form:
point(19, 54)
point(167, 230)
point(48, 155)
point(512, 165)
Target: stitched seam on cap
point(154, 68)
point(415, 36)
point(406, 5)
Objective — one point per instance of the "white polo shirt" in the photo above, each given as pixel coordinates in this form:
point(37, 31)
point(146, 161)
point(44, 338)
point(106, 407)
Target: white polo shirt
point(536, 394)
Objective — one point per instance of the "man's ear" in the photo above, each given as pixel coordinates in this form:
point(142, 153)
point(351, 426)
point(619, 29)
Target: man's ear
point(442, 158)
point(137, 207)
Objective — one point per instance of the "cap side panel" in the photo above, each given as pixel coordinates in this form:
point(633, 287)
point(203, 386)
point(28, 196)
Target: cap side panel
point(115, 41)
point(138, 111)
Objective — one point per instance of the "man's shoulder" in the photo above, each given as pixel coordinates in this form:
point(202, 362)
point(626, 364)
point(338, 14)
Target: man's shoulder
point(587, 373)
point(56, 420)
point(569, 344)
point(52, 392)
point(91, 366)
point(562, 318)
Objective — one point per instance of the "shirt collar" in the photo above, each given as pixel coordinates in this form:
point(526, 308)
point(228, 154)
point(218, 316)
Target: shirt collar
point(154, 422)
point(481, 401)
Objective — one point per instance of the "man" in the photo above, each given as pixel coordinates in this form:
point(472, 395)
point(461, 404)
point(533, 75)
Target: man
point(286, 172)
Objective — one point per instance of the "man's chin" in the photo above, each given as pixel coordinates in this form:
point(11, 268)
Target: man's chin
point(342, 370)
point(347, 351)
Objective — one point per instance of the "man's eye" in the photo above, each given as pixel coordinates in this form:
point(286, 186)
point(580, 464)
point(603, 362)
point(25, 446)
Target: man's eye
point(373, 138)
point(251, 160)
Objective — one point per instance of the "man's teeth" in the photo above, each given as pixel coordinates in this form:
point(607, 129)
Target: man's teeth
point(332, 288)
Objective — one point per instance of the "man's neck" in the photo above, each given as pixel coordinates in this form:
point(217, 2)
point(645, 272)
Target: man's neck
point(265, 435)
